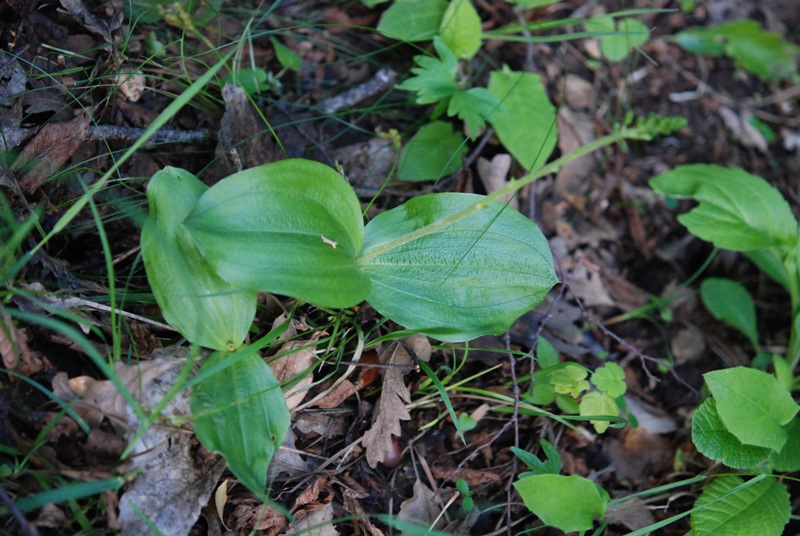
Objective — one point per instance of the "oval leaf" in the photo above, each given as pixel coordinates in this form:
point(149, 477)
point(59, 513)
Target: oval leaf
point(569, 503)
point(471, 278)
point(731, 507)
point(204, 308)
point(292, 227)
point(461, 28)
point(753, 405)
point(412, 20)
point(714, 441)
point(729, 302)
point(526, 125)
point(240, 413)
point(435, 151)
point(737, 210)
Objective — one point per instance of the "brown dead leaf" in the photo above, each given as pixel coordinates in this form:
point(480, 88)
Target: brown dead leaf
point(423, 506)
point(634, 514)
point(14, 350)
point(341, 392)
point(311, 493)
point(49, 149)
point(575, 130)
point(316, 522)
point(473, 477)
point(494, 176)
point(639, 454)
point(295, 359)
point(254, 516)
point(391, 408)
point(322, 424)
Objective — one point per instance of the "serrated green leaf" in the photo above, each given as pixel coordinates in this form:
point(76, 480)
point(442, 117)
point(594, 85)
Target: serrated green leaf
point(526, 125)
point(193, 299)
point(729, 302)
point(412, 20)
point(753, 405)
point(570, 380)
point(737, 210)
point(788, 459)
point(474, 106)
point(435, 151)
point(461, 28)
point(714, 441)
point(729, 507)
point(473, 277)
point(293, 227)
point(596, 403)
point(569, 503)
point(610, 378)
point(434, 79)
point(240, 412)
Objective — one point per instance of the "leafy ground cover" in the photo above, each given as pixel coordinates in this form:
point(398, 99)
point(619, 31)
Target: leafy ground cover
point(415, 267)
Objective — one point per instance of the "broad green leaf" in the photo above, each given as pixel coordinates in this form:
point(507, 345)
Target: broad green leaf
point(193, 299)
point(251, 80)
point(729, 302)
point(434, 78)
point(597, 403)
point(546, 353)
point(474, 106)
point(620, 35)
point(729, 507)
point(461, 28)
point(526, 125)
point(569, 503)
point(753, 405)
point(435, 151)
point(763, 53)
point(737, 210)
point(610, 378)
point(714, 441)
point(788, 459)
point(240, 412)
point(412, 20)
point(570, 380)
point(473, 277)
point(543, 392)
point(292, 227)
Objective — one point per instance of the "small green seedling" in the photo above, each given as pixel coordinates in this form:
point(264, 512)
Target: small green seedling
point(467, 502)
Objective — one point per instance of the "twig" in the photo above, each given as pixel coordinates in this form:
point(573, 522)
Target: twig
point(164, 135)
point(382, 80)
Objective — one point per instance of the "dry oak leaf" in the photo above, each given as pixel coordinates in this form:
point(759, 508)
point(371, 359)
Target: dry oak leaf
point(391, 408)
point(422, 507)
point(294, 358)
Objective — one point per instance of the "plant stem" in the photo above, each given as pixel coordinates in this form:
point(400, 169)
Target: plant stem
point(512, 187)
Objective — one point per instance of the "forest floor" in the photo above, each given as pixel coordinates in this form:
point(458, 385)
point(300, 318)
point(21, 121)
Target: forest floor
point(70, 107)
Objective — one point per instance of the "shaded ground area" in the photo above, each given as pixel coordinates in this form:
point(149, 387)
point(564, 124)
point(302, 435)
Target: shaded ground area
point(79, 85)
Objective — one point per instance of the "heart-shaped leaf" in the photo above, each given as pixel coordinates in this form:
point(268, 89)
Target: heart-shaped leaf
point(240, 412)
point(473, 277)
point(204, 308)
point(292, 227)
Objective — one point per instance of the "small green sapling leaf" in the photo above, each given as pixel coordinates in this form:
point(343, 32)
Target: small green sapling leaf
point(610, 378)
point(240, 412)
point(204, 308)
point(550, 465)
point(753, 405)
point(412, 20)
point(730, 302)
point(526, 124)
point(292, 227)
point(473, 277)
point(461, 28)
point(435, 151)
point(714, 441)
point(570, 380)
point(595, 403)
point(569, 503)
point(737, 210)
point(434, 79)
point(620, 35)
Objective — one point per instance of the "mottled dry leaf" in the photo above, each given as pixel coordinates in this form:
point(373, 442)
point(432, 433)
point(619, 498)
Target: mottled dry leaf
point(14, 350)
point(633, 514)
point(316, 522)
point(337, 395)
point(322, 424)
point(247, 518)
point(422, 507)
point(474, 477)
point(575, 130)
point(311, 493)
point(494, 176)
point(588, 286)
point(295, 358)
point(49, 149)
point(391, 408)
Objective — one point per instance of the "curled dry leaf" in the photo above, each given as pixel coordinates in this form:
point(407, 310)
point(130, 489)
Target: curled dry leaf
point(391, 408)
point(494, 175)
point(294, 359)
point(14, 350)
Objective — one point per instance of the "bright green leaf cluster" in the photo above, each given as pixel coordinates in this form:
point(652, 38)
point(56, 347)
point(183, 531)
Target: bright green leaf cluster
point(756, 50)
